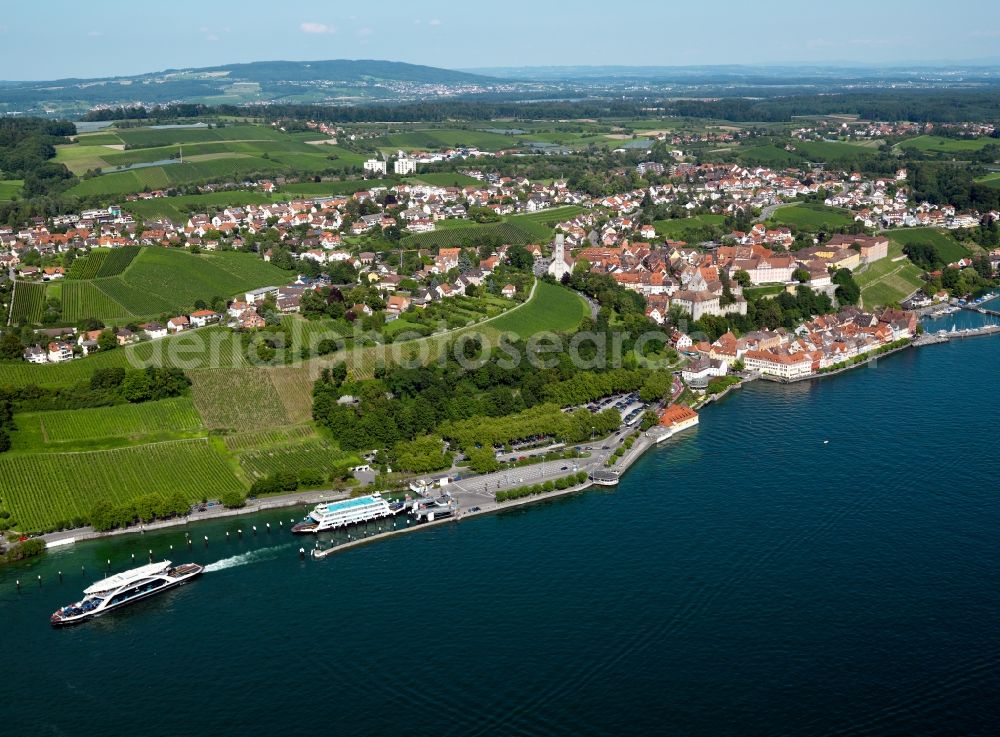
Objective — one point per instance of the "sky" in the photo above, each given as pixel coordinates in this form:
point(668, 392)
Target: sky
point(57, 39)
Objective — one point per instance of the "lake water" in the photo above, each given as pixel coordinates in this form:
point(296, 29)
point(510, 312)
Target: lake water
point(819, 558)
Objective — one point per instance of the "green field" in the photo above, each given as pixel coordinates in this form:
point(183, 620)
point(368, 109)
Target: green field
point(29, 302)
point(948, 249)
point(554, 308)
point(832, 151)
point(442, 138)
point(42, 490)
point(10, 188)
point(811, 217)
point(938, 144)
point(102, 426)
point(769, 290)
point(887, 282)
point(208, 154)
point(210, 347)
point(541, 224)
point(990, 180)
point(178, 209)
point(687, 229)
point(472, 235)
point(776, 155)
point(155, 281)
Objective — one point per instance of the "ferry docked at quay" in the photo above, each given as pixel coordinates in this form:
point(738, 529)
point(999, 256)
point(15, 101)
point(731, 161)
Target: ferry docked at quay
point(335, 515)
point(124, 588)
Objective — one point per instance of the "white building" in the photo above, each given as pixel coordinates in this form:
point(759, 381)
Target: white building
point(560, 264)
point(375, 166)
point(783, 366)
point(405, 165)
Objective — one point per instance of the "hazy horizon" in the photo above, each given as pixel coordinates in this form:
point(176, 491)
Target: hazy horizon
point(124, 39)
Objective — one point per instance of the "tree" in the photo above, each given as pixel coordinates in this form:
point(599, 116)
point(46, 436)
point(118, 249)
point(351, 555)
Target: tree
point(11, 347)
point(800, 275)
point(848, 292)
point(742, 278)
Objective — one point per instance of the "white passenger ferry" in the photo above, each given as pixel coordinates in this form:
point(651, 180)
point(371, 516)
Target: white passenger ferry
point(125, 588)
point(333, 515)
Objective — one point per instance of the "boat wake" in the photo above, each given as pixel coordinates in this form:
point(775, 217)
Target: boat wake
point(243, 559)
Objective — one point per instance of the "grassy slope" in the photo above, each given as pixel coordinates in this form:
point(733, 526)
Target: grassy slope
point(160, 280)
point(947, 247)
point(888, 281)
point(811, 216)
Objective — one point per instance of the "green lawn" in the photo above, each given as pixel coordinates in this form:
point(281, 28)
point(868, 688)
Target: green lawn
point(888, 281)
point(812, 216)
point(687, 229)
point(769, 290)
point(554, 308)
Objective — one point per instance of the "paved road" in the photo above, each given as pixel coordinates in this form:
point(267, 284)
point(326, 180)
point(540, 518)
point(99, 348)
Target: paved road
point(767, 212)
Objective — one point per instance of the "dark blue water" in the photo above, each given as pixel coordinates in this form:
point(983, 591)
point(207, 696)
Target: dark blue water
point(745, 579)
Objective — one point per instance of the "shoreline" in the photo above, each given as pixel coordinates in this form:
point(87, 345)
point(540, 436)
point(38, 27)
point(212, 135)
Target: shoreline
point(642, 444)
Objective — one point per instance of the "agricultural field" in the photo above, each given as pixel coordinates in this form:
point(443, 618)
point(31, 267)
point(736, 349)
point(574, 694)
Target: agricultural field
point(83, 299)
point(153, 158)
point(29, 302)
point(688, 229)
point(237, 399)
point(938, 144)
point(442, 138)
point(178, 209)
point(155, 281)
point(832, 151)
point(104, 426)
point(541, 224)
point(251, 439)
point(811, 217)
point(948, 249)
point(211, 347)
point(311, 454)
point(294, 385)
point(46, 490)
point(887, 282)
point(469, 236)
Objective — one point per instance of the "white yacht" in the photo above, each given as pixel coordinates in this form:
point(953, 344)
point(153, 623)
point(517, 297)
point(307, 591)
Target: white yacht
point(125, 588)
point(332, 515)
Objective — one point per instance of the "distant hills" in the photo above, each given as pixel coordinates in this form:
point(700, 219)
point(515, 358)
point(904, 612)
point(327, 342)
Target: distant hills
point(347, 82)
point(338, 81)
